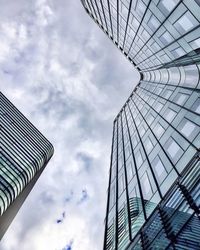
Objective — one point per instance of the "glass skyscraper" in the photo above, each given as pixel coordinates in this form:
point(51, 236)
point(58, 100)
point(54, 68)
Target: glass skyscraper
point(24, 153)
point(154, 183)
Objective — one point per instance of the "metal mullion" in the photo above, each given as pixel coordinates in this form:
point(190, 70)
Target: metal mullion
point(153, 174)
point(20, 125)
point(156, 139)
point(169, 100)
point(126, 181)
point(168, 123)
point(94, 11)
point(12, 172)
point(136, 170)
point(21, 148)
point(7, 141)
point(104, 15)
point(176, 40)
point(19, 159)
point(117, 22)
point(9, 188)
point(21, 140)
point(90, 9)
point(129, 10)
point(12, 182)
point(110, 18)
point(97, 6)
point(8, 106)
point(116, 218)
point(161, 25)
point(109, 185)
point(147, 7)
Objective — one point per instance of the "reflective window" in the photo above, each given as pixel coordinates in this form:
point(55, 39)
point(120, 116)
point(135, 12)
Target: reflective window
point(196, 106)
point(139, 159)
point(166, 38)
point(153, 23)
point(140, 8)
point(121, 184)
point(168, 5)
point(146, 187)
point(186, 22)
point(130, 172)
point(195, 44)
point(158, 130)
point(167, 94)
point(150, 119)
point(188, 128)
point(148, 145)
point(181, 98)
point(159, 168)
point(158, 106)
point(169, 115)
point(173, 150)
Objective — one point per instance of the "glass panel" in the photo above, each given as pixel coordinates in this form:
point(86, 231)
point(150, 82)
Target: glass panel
point(186, 22)
point(169, 115)
point(173, 149)
point(159, 168)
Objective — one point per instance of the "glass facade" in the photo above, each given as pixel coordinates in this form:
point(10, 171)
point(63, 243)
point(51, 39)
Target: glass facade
point(153, 193)
point(24, 152)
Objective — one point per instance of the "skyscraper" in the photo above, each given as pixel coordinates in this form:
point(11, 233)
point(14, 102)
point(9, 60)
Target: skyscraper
point(154, 183)
point(24, 153)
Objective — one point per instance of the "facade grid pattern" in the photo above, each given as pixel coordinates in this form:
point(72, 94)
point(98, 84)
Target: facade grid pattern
point(153, 194)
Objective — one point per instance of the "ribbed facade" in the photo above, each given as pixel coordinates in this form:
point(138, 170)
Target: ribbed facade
point(24, 152)
point(153, 194)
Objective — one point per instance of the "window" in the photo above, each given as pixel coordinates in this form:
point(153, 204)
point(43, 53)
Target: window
point(158, 130)
point(178, 52)
point(196, 106)
point(139, 159)
point(168, 5)
point(150, 119)
point(140, 8)
point(130, 171)
point(112, 197)
point(146, 187)
point(166, 38)
point(159, 169)
point(173, 150)
point(167, 93)
point(169, 115)
point(148, 145)
point(120, 184)
point(153, 23)
point(195, 44)
point(158, 106)
point(181, 98)
point(188, 128)
point(186, 23)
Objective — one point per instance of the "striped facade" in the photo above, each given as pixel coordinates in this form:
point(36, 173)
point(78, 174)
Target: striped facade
point(24, 152)
point(154, 183)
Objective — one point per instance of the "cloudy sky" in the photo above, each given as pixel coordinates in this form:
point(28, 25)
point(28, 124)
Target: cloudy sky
point(70, 81)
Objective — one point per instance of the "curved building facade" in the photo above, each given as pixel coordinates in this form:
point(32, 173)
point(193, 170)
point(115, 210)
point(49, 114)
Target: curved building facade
point(24, 153)
point(153, 194)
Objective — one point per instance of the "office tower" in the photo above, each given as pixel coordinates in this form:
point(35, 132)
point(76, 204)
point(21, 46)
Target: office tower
point(24, 153)
point(150, 33)
point(154, 183)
